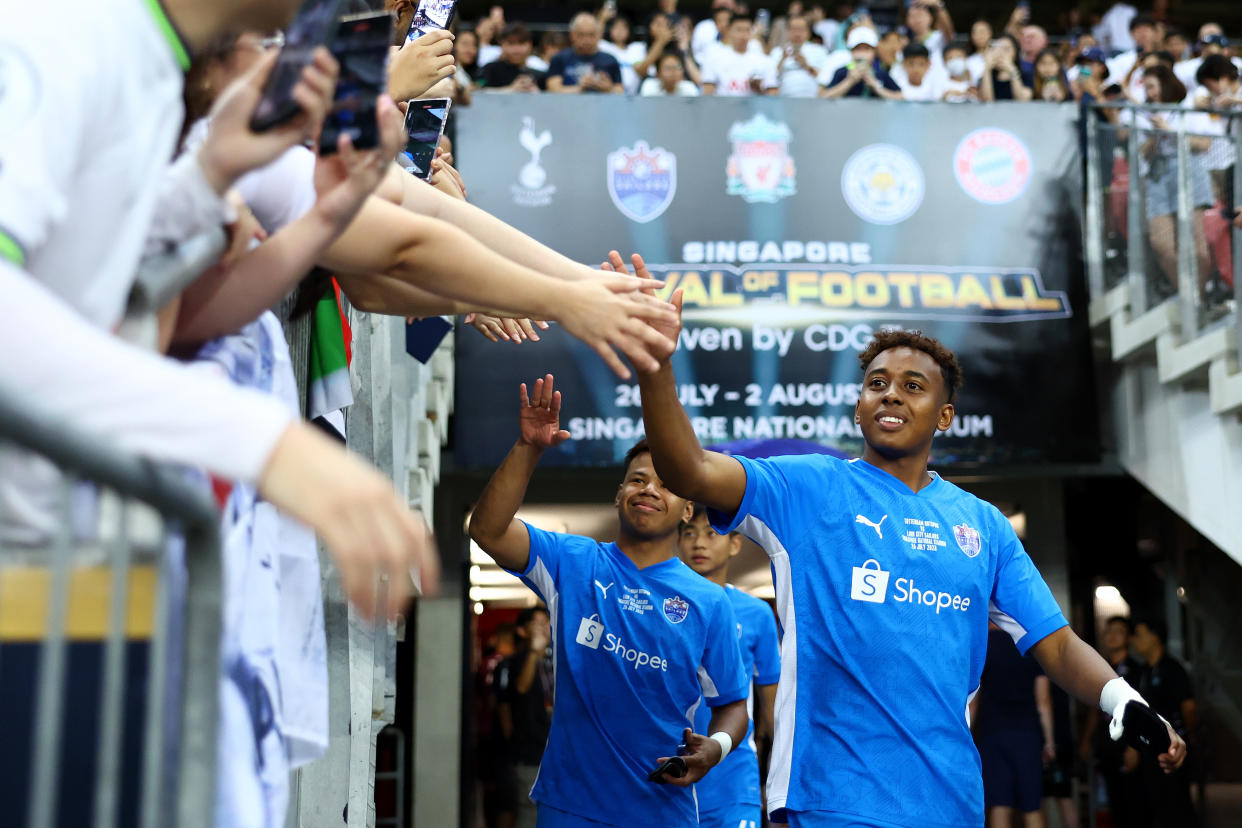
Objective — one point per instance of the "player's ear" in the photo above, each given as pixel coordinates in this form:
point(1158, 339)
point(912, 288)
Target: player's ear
point(687, 514)
point(735, 544)
point(857, 416)
point(946, 417)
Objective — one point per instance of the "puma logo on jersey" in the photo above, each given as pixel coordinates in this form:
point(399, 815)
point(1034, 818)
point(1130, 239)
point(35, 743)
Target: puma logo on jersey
point(604, 589)
point(875, 526)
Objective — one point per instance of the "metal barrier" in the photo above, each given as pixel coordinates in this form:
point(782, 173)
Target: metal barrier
point(102, 575)
point(1162, 182)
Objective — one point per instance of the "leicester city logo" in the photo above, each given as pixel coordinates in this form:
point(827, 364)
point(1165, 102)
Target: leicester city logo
point(760, 168)
point(676, 609)
point(968, 539)
point(882, 184)
point(642, 181)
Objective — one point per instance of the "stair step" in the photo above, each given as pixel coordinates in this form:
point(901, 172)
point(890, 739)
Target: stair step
point(1135, 338)
point(1104, 308)
point(1179, 362)
point(1225, 386)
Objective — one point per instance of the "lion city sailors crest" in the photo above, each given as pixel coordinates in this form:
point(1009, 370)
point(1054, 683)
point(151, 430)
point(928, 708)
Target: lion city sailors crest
point(676, 609)
point(968, 539)
point(760, 168)
point(642, 181)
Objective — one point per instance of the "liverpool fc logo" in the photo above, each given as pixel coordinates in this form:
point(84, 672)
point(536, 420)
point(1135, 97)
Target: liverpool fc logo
point(760, 168)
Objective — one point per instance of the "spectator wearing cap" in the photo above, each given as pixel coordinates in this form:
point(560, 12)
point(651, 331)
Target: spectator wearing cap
point(1212, 41)
point(916, 77)
point(1088, 75)
point(1113, 31)
point(1145, 33)
point(861, 78)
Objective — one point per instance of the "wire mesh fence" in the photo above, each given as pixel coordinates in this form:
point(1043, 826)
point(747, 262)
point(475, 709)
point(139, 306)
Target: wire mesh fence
point(110, 615)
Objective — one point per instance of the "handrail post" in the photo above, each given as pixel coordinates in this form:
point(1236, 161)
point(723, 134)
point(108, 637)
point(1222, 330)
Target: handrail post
point(1187, 260)
point(1136, 233)
point(1093, 227)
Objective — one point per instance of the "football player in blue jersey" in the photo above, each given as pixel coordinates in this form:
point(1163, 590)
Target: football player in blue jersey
point(886, 576)
point(640, 642)
point(729, 797)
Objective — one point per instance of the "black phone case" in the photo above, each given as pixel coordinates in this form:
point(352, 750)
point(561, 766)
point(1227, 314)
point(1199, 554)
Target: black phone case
point(674, 766)
point(1143, 729)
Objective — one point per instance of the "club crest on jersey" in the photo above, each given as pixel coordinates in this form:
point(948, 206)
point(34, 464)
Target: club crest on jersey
point(676, 609)
point(968, 539)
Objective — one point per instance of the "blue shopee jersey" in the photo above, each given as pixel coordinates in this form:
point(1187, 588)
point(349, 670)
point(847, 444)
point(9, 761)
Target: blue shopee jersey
point(736, 780)
point(883, 596)
point(636, 652)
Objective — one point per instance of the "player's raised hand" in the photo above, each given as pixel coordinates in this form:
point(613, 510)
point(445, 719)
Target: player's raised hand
point(614, 312)
point(540, 415)
point(702, 754)
point(671, 330)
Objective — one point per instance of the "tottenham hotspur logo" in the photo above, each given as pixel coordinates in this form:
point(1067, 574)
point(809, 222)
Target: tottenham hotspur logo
point(532, 189)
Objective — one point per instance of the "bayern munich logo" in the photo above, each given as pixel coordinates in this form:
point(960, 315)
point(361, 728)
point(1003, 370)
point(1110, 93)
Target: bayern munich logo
point(992, 166)
point(883, 184)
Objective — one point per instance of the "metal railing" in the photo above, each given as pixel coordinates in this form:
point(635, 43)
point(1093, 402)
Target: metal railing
point(1162, 183)
point(83, 581)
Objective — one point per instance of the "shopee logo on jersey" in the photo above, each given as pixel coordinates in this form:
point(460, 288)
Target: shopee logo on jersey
point(870, 584)
point(591, 634)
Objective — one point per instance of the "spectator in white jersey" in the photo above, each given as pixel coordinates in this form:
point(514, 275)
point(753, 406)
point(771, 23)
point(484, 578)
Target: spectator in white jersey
point(735, 69)
point(70, 265)
point(798, 61)
point(915, 76)
point(729, 796)
point(709, 32)
point(641, 641)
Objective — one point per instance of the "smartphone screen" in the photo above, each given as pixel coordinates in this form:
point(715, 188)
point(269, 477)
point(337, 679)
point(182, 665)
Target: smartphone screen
point(361, 48)
point(313, 27)
point(424, 123)
point(431, 15)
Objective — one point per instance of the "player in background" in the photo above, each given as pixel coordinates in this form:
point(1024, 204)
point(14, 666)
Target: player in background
point(639, 642)
point(886, 576)
point(729, 796)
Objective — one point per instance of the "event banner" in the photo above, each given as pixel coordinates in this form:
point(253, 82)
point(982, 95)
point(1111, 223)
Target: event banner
point(795, 229)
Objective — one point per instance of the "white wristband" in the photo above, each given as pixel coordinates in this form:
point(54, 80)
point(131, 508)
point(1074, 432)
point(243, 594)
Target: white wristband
point(725, 741)
point(1113, 698)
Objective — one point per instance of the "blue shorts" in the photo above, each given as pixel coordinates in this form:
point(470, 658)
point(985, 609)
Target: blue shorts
point(1013, 770)
point(731, 816)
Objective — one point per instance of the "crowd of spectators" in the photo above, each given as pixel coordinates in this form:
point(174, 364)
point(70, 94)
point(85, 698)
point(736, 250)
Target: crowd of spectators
point(915, 54)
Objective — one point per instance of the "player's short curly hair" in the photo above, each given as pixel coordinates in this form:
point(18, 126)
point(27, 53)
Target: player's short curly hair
point(886, 339)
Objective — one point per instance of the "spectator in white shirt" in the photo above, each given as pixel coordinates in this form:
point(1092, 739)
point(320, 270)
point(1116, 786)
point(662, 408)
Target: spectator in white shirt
point(1211, 42)
point(930, 26)
point(617, 43)
point(1176, 44)
point(959, 86)
point(1146, 39)
point(710, 32)
point(670, 79)
point(798, 61)
point(736, 70)
point(980, 40)
point(1113, 31)
point(915, 76)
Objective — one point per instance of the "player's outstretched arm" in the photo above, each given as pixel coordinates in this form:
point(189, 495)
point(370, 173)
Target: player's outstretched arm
point(493, 525)
point(1083, 673)
point(704, 752)
point(708, 477)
